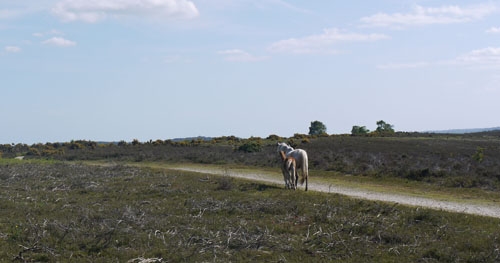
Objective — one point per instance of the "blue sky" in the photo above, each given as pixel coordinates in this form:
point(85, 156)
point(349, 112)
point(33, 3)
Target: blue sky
point(112, 70)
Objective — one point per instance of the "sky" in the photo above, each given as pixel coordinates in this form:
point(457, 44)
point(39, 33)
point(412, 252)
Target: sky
point(111, 70)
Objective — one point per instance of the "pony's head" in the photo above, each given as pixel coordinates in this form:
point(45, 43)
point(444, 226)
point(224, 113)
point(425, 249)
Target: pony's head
point(281, 146)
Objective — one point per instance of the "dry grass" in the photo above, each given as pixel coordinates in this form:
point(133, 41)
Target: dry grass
point(58, 212)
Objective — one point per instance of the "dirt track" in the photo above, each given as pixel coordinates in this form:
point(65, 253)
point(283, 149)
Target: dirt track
point(484, 210)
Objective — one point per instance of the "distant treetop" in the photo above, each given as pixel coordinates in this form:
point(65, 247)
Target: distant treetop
point(317, 128)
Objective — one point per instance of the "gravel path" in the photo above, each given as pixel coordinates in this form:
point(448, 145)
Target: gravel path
point(484, 210)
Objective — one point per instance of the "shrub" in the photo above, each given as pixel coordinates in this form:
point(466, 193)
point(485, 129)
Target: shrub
point(359, 130)
point(251, 146)
point(225, 183)
point(479, 155)
point(274, 137)
point(33, 151)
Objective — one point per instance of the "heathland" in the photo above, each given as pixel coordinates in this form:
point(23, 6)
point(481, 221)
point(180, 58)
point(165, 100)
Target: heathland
point(83, 201)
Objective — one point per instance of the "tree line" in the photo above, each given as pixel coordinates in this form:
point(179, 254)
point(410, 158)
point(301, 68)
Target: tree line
point(383, 128)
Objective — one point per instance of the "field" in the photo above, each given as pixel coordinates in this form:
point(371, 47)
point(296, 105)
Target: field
point(82, 201)
point(73, 212)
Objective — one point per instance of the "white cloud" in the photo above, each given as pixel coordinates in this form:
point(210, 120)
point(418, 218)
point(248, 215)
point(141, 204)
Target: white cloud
point(92, 11)
point(430, 15)
point(321, 43)
point(485, 58)
point(493, 30)
point(52, 32)
point(59, 41)
point(238, 55)
point(12, 49)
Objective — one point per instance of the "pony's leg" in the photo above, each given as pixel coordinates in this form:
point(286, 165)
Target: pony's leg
point(288, 180)
point(284, 177)
point(295, 179)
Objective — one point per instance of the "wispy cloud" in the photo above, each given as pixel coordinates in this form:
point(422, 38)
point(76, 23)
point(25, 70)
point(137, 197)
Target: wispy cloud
point(238, 55)
point(430, 15)
point(287, 5)
point(52, 32)
point(19, 9)
point(9, 13)
point(493, 30)
point(59, 42)
point(322, 43)
point(12, 49)
point(484, 58)
point(259, 4)
point(95, 11)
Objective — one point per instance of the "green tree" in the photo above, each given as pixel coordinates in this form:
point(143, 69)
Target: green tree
point(383, 127)
point(359, 130)
point(317, 128)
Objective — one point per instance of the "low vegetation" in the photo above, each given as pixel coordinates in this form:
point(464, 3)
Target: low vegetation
point(455, 161)
point(56, 208)
point(55, 211)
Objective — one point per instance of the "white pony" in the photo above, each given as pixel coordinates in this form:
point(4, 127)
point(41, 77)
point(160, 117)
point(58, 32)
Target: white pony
point(300, 157)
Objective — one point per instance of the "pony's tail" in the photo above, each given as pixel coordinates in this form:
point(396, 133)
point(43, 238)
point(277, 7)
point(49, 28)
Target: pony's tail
point(288, 164)
point(305, 171)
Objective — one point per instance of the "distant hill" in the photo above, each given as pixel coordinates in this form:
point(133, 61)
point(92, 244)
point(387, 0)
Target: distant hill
point(464, 131)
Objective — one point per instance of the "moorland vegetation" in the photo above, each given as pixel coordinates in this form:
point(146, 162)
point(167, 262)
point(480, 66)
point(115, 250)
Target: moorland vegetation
point(449, 160)
point(55, 211)
point(60, 205)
